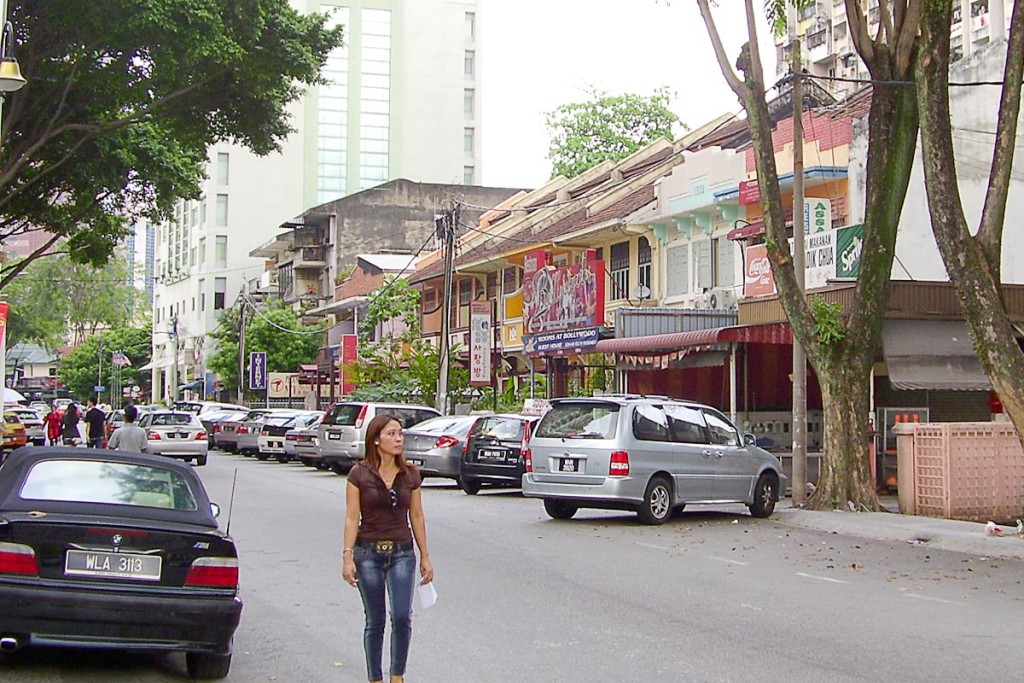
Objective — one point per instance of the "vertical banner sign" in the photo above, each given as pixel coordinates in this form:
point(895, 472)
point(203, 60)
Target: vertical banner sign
point(349, 355)
point(817, 215)
point(258, 371)
point(4, 310)
point(849, 245)
point(480, 343)
point(758, 279)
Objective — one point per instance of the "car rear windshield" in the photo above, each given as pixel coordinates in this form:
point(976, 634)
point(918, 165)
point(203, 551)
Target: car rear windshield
point(278, 420)
point(172, 419)
point(587, 420)
point(444, 425)
point(344, 415)
point(112, 483)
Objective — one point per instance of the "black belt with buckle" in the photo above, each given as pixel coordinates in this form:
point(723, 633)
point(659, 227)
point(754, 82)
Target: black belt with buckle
point(385, 547)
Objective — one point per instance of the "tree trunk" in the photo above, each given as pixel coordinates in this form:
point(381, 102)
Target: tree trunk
point(845, 478)
point(970, 265)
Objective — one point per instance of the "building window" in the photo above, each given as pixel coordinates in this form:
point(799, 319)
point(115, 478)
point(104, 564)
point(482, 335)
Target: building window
point(677, 270)
point(222, 210)
point(511, 280)
point(220, 289)
point(643, 261)
point(469, 103)
point(465, 291)
point(468, 141)
point(724, 262)
point(202, 295)
point(375, 98)
point(470, 65)
point(222, 168)
point(704, 264)
point(619, 270)
point(471, 25)
point(468, 173)
point(202, 252)
point(221, 253)
point(429, 300)
point(492, 286)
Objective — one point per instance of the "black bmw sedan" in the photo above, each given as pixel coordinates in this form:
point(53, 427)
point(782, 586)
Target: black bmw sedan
point(104, 549)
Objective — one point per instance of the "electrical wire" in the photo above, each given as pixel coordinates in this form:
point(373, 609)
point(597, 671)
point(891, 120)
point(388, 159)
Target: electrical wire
point(259, 314)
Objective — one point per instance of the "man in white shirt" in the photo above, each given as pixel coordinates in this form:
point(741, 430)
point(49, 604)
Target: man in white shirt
point(130, 437)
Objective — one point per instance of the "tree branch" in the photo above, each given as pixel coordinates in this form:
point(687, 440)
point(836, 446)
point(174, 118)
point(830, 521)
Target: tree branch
point(906, 38)
point(757, 73)
point(24, 263)
point(738, 86)
point(886, 23)
point(990, 231)
point(859, 33)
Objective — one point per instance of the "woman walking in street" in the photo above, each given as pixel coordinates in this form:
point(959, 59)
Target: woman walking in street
point(69, 426)
point(383, 498)
point(53, 426)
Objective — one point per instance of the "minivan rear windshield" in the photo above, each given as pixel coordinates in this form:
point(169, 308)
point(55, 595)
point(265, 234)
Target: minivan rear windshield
point(584, 420)
point(344, 415)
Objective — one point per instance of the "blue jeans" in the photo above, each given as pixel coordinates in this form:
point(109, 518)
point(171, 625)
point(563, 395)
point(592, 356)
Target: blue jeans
point(395, 572)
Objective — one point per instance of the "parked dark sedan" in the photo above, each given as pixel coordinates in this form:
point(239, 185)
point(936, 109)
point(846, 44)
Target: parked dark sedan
point(493, 452)
point(106, 549)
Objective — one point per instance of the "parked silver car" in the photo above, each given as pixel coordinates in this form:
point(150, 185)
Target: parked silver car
point(342, 432)
point(247, 433)
point(649, 454)
point(175, 434)
point(225, 434)
point(436, 446)
point(272, 434)
point(301, 443)
point(35, 429)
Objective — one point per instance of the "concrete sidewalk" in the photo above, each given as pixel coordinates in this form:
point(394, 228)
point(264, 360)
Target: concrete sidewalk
point(945, 534)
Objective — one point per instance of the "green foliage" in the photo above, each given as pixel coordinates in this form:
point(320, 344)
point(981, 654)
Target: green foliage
point(285, 350)
point(828, 321)
point(511, 399)
point(397, 370)
point(396, 301)
point(79, 370)
point(124, 98)
point(607, 127)
point(54, 294)
point(775, 11)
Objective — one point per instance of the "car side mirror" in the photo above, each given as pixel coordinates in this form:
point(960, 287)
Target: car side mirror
point(749, 439)
point(215, 509)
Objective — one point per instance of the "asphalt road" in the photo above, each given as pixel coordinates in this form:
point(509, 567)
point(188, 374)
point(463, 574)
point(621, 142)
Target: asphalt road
point(713, 595)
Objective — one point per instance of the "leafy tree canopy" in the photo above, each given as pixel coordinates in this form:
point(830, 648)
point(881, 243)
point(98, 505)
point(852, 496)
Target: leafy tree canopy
point(80, 369)
point(606, 127)
point(124, 98)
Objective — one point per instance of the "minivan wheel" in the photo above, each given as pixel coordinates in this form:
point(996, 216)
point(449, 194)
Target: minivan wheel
point(559, 509)
point(766, 492)
point(657, 505)
point(471, 486)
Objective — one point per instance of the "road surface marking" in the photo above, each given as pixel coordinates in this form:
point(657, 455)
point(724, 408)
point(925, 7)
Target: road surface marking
point(656, 547)
point(930, 599)
point(821, 578)
point(726, 559)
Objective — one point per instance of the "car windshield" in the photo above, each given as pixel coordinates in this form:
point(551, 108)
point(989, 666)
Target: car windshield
point(114, 483)
point(587, 420)
point(172, 419)
point(503, 428)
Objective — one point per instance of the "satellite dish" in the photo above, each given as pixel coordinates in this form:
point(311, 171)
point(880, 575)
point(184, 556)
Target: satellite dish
point(642, 292)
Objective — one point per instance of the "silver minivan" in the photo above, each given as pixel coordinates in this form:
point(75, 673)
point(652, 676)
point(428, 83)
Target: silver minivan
point(342, 432)
point(653, 455)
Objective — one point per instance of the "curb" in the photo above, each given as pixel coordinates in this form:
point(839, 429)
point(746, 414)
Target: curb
point(944, 534)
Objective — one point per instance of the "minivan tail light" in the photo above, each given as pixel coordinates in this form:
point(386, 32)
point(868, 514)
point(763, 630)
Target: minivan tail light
point(218, 572)
point(618, 466)
point(361, 417)
point(446, 441)
point(17, 558)
point(528, 459)
point(525, 448)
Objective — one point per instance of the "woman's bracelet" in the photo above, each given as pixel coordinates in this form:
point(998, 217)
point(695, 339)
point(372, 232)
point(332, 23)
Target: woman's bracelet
point(346, 550)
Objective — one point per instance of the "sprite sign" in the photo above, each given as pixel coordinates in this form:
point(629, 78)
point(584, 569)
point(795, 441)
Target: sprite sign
point(849, 246)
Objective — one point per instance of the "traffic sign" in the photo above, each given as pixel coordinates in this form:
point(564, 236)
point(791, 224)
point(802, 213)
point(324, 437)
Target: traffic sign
point(98, 388)
point(258, 371)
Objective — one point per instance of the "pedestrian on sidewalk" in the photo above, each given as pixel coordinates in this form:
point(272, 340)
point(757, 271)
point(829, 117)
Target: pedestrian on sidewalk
point(383, 499)
point(129, 437)
point(53, 426)
point(69, 426)
point(94, 417)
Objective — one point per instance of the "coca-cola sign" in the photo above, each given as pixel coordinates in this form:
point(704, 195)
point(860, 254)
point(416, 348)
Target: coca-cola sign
point(758, 280)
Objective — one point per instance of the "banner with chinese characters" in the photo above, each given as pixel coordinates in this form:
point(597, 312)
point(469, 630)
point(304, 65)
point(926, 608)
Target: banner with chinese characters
point(480, 337)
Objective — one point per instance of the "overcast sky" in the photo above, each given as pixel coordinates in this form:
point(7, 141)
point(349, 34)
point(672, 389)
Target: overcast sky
point(539, 54)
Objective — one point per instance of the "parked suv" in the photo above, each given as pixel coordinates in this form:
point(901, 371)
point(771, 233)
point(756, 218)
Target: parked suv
point(649, 454)
point(494, 452)
point(342, 432)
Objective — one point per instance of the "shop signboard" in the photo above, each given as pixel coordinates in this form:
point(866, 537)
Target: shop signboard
point(758, 279)
point(750, 193)
point(817, 215)
point(480, 336)
point(562, 298)
point(828, 256)
point(258, 371)
point(849, 245)
point(578, 339)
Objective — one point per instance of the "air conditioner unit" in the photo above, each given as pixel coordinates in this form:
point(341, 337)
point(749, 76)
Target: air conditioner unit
point(721, 299)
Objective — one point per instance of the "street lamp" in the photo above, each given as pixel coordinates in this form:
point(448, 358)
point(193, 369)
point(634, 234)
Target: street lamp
point(10, 73)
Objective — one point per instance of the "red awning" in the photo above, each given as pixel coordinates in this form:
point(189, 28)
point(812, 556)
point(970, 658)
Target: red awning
point(772, 333)
point(745, 232)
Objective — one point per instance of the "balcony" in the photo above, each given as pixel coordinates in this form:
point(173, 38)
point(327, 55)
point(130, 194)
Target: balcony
point(310, 258)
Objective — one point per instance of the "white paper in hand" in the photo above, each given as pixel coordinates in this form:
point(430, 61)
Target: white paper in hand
point(427, 595)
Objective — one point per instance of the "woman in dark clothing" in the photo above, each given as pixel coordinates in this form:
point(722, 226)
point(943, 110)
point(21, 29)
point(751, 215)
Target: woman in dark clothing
point(382, 502)
point(69, 426)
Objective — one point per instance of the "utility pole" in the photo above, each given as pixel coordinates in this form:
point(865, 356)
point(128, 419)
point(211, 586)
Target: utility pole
point(241, 349)
point(174, 374)
point(445, 224)
point(799, 358)
point(99, 374)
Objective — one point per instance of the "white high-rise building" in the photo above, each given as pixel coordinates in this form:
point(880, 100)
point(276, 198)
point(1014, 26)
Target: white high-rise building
point(402, 100)
point(827, 48)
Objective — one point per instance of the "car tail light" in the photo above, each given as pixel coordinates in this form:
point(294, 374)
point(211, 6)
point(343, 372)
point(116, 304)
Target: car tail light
point(216, 429)
point(361, 417)
point(446, 441)
point(153, 435)
point(469, 435)
point(528, 458)
point(619, 464)
point(265, 431)
point(219, 572)
point(242, 429)
point(525, 448)
point(16, 558)
point(200, 436)
point(290, 437)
